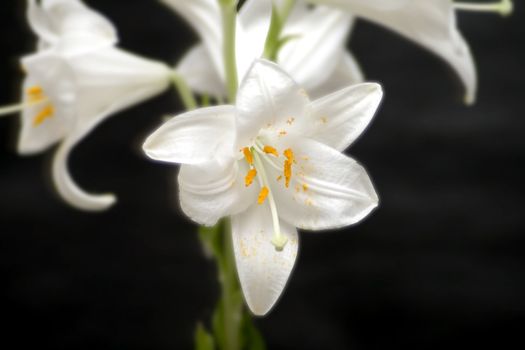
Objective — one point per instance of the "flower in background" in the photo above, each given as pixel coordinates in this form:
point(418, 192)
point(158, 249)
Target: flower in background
point(315, 54)
point(76, 79)
point(431, 24)
point(272, 162)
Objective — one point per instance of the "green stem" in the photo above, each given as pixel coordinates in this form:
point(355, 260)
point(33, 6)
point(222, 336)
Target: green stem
point(229, 20)
point(184, 91)
point(273, 39)
point(230, 293)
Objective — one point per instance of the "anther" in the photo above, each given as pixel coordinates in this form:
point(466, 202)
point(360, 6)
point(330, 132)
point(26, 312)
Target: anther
point(248, 180)
point(44, 114)
point(248, 155)
point(262, 195)
point(271, 150)
point(287, 172)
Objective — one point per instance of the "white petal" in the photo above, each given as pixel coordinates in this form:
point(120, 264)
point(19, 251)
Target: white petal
point(68, 189)
point(197, 69)
point(54, 19)
point(205, 18)
point(347, 72)
point(431, 24)
point(263, 271)
point(319, 39)
point(194, 137)
point(252, 29)
point(327, 189)
point(111, 80)
point(338, 119)
point(267, 97)
point(211, 190)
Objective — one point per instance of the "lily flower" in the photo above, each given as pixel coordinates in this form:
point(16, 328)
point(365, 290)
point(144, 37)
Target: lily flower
point(273, 163)
point(431, 24)
point(75, 80)
point(315, 55)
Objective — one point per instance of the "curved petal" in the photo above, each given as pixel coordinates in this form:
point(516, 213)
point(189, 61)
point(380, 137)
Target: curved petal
point(431, 24)
point(197, 69)
point(267, 97)
point(68, 189)
point(262, 270)
point(327, 189)
point(205, 18)
point(338, 119)
point(316, 43)
point(194, 137)
point(211, 190)
point(39, 22)
point(347, 72)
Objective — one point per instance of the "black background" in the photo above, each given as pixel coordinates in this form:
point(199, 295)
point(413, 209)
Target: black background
point(439, 264)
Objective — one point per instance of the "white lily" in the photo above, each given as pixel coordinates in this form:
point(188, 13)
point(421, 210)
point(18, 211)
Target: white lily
point(431, 24)
point(316, 57)
point(272, 162)
point(75, 80)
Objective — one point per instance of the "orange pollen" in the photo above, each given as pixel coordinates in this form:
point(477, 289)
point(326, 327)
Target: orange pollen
point(44, 114)
point(287, 172)
point(288, 153)
point(249, 177)
point(262, 195)
point(271, 150)
point(35, 90)
point(248, 155)
point(279, 178)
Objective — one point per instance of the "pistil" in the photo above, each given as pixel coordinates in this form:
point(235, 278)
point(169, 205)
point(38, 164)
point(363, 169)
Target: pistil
point(503, 7)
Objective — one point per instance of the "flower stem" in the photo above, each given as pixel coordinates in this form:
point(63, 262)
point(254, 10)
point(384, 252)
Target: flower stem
point(184, 91)
point(231, 300)
point(229, 20)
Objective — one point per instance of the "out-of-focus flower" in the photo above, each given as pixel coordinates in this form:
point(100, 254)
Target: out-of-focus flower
point(75, 80)
point(273, 163)
point(314, 55)
point(431, 24)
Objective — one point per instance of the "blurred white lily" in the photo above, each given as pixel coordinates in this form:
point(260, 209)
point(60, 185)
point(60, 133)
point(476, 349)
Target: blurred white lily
point(75, 80)
point(273, 162)
point(431, 24)
point(316, 57)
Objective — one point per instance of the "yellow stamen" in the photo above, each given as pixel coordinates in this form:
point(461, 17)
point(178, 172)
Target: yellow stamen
point(287, 172)
point(271, 150)
point(44, 114)
point(288, 153)
point(249, 177)
point(248, 155)
point(262, 195)
point(34, 90)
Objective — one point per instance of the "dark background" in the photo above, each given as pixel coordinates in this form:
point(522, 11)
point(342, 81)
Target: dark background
point(439, 264)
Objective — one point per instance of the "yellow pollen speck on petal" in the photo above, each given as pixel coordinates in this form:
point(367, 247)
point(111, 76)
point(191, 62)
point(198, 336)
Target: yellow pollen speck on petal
point(305, 187)
point(262, 195)
point(249, 177)
point(290, 121)
point(287, 172)
point(248, 155)
point(282, 133)
point(271, 150)
point(279, 178)
point(324, 120)
point(44, 114)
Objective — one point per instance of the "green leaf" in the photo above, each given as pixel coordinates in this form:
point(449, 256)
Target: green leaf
point(203, 339)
